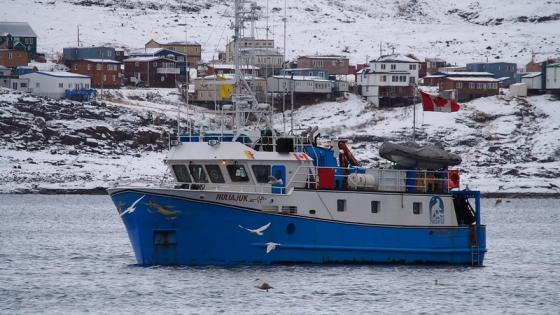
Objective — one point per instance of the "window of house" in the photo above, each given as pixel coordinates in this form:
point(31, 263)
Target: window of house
point(61, 85)
point(471, 85)
point(459, 85)
point(417, 207)
point(479, 86)
point(237, 173)
point(197, 172)
point(10, 55)
point(402, 78)
point(374, 206)
point(136, 64)
point(162, 78)
point(181, 173)
point(382, 66)
point(383, 78)
point(412, 80)
point(98, 66)
point(412, 67)
point(215, 174)
point(262, 172)
point(114, 77)
point(104, 77)
point(89, 67)
point(69, 85)
point(394, 78)
point(393, 66)
point(23, 85)
point(341, 205)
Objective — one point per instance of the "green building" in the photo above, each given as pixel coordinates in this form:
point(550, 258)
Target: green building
point(18, 36)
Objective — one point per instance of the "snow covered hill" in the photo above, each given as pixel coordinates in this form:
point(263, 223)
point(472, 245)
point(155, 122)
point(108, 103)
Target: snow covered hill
point(507, 144)
point(459, 31)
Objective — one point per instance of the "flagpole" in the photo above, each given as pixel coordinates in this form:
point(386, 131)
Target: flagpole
point(414, 115)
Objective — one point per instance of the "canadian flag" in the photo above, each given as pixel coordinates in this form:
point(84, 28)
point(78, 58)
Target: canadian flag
point(434, 103)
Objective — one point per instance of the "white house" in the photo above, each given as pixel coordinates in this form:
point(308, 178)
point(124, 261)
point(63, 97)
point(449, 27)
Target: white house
point(389, 80)
point(54, 84)
point(299, 84)
point(553, 76)
point(533, 80)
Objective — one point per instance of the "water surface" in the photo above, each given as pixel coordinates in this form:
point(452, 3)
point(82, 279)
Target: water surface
point(70, 254)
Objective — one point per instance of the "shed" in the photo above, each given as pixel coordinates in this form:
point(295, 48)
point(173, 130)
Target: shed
point(53, 84)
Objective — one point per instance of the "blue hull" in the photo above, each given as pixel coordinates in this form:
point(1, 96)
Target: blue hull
point(167, 230)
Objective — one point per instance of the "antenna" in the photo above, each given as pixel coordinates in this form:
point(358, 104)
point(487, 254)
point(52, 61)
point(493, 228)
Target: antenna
point(78, 35)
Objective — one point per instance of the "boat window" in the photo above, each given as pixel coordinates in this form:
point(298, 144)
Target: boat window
point(237, 173)
point(374, 206)
point(417, 207)
point(341, 205)
point(181, 173)
point(197, 173)
point(262, 173)
point(215, 174)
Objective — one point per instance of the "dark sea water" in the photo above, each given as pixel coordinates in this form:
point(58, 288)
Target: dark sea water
point(71, 255)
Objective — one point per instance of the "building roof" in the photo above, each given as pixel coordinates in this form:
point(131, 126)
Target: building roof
point(301, 78)
point(259, 52)
point(59, 74)
point(176, 43)
point(395, 58)
point(434, 76)
point(324, 57)
point(146, 59)
point(152, 52)
point(473, 79)
point(531, 75)
point(231, 67)
point(491, 63)
point(20, 29)
point(102, 61)
point(467, 74)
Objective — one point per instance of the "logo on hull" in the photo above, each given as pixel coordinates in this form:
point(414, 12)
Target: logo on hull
point(436, 210)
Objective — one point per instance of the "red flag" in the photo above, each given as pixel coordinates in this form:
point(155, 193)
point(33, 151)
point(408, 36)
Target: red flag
point(453, 180)
point(434, 103)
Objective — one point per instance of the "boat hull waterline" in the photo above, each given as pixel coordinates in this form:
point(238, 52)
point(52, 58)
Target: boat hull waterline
point(166, 229)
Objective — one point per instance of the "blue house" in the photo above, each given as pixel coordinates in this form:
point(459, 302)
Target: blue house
point(179, 57)
point(78, 53)
point(306, 72)
point(503, 71)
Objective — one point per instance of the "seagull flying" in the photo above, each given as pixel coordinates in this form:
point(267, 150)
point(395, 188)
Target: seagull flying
point(132, 206)
point(270, 246)
point(258, 231)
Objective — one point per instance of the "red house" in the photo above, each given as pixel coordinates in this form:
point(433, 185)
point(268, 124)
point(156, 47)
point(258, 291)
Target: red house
point(151, 71)
point(103, 72)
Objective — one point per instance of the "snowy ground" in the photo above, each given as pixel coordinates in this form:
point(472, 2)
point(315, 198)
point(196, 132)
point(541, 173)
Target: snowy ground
point(507, 144)
point(459, 31)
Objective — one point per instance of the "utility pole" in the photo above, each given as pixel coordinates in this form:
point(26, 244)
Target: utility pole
point(102, 73)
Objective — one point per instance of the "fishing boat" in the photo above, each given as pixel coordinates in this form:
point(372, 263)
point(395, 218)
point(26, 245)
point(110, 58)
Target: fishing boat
point(252, 195)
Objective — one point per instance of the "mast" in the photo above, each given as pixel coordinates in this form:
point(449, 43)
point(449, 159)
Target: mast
point(236, 37)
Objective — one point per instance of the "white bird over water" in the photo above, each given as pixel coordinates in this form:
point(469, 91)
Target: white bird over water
point(132, 207)
point(270, 246)
point(258, 231)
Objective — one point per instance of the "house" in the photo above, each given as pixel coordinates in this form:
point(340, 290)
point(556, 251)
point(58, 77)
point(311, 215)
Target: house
point(468, 88)
point(151, 71)
point(306, 72)
point(192, 50)
point(70, 54)
point(552, 77)
point(120, 54)
point(433, 65)
point(305, 89)
point(436, 78)
point(219, 88)
point(533, 80)
point(270, 61)
point(103, 73)
point(179, 57)
point(12, 81)
point(221, 69)
point(332, 63)
point(246, 43)
point(18, 36)
point(389, 80)
point(12, 58)
point(54, 84)
point(505, 71)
